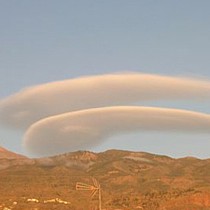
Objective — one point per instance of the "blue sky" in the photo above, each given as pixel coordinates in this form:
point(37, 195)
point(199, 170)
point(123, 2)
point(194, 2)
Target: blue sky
point(50, 40)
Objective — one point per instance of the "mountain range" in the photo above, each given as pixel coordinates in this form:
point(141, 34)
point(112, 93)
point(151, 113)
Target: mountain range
point(128, 180)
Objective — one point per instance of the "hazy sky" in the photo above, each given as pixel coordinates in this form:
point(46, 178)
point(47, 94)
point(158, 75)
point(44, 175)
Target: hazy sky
point(42, 41)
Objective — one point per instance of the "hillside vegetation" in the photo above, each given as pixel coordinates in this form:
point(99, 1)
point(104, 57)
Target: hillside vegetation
point(129, 180)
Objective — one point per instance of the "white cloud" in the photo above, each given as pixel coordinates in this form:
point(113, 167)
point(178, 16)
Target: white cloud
point(84, 129)
point(35, 103)
point(79, 113)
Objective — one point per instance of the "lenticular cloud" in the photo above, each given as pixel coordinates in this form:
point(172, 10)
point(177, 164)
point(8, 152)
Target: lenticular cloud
point(78, 113)
point(35, 103)
point(86, 128)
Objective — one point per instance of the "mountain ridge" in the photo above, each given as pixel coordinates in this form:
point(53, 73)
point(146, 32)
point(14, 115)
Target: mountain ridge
point(4, 153)
point(128, 180)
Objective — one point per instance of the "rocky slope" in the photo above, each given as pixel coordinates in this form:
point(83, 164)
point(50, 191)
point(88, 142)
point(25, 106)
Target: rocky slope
point(129, 180)
point(6, 154)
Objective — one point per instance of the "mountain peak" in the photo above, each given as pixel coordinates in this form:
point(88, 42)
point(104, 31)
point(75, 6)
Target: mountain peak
point(2, 149)
point(6, 154)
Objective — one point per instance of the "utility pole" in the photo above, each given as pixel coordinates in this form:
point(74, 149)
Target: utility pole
point(95, 188)
point(99, 197)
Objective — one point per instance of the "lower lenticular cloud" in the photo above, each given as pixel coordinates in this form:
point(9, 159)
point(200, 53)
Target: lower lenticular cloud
point(35, 103)
point(86, 128)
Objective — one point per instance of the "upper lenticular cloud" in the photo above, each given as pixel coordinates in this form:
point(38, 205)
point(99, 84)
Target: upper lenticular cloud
point(35, 103)
point(86, 128)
